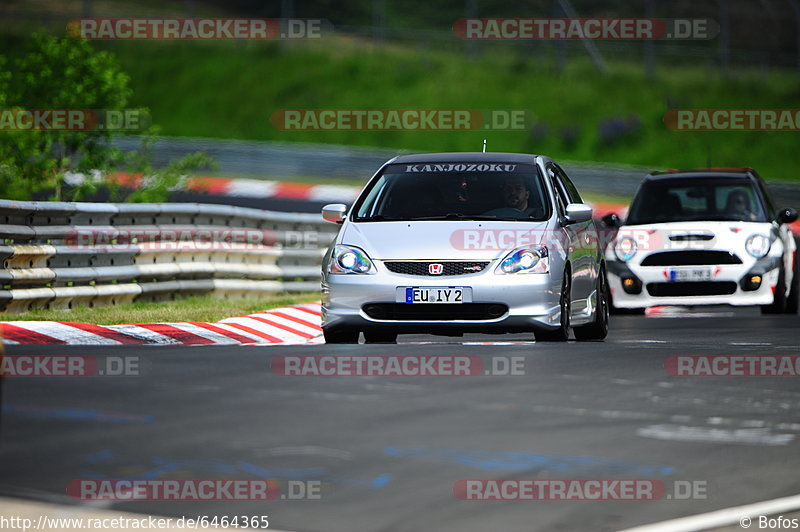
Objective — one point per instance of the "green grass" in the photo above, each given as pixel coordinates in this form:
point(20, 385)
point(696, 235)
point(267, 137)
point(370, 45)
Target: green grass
point(600, 197)
point(231, 90)
point(199, 308)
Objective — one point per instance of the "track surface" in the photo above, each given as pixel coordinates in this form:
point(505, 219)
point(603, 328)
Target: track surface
point(388, 450)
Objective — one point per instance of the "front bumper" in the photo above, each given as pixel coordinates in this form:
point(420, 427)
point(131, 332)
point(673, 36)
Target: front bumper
point(654, 280)
point(532, 301)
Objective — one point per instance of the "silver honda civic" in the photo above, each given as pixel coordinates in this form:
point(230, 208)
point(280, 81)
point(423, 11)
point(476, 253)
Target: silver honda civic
point(450, 243)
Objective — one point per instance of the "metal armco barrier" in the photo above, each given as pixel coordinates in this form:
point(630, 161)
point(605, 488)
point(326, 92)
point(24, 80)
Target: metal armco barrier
point(286, 159)
point(64, 255)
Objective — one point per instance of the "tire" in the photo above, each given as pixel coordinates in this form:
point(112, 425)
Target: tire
point(628, 311)
point(565, 301)
point(794, 289)
point(598, 329)
point(380, 337)
point(779, 305)
point(340, 336)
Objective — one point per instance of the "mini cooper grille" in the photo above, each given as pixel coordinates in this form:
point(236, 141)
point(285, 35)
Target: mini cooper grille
point(445, 312)
point(702, 288)
point(691, 258)
point(449, 268)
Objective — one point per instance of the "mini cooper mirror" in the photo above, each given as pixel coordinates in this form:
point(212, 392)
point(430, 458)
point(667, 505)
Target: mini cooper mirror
point(334, 212)
point(578, 212)
point(786, 216)
point(612, 220)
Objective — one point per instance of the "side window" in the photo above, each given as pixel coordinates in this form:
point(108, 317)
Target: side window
point(561, 195)
point(572, 192)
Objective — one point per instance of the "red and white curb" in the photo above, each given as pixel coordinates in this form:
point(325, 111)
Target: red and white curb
point(297, 324)
point(243, 187)
point(259, 188)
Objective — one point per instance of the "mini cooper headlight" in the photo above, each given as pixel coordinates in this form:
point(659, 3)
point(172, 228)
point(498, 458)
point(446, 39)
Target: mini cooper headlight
point(349, 259)
point(625, 248)
point(526, 260)
point(757, 245)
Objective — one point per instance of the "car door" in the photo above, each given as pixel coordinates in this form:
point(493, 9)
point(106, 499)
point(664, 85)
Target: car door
point(581, 238)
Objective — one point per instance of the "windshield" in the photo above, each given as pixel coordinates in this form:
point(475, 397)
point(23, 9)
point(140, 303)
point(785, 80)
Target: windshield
point(451, 191)
point(680, 200)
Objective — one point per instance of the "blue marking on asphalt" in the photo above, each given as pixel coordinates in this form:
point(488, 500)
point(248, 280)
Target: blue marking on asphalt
point(99, 456)
point(382, 480)
point(519, 461)
point(76, 414)
point(169, 467)
point(299, 474)
point(166, 467)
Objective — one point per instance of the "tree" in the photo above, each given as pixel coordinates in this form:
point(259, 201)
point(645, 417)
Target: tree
point(68, 74)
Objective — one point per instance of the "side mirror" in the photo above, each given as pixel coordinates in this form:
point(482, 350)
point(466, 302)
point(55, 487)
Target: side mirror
point(786, 216)
point(578, 212)
point(334, 212)
point(611, 220)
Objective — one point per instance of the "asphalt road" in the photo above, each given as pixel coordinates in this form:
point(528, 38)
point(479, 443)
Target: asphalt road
point(387, 451)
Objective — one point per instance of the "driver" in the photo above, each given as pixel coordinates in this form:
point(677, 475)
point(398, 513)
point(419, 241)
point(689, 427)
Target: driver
point(517, 195)
point(739, 205)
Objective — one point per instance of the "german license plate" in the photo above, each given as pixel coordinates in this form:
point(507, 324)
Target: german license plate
point(435, 294)
point(694, 274)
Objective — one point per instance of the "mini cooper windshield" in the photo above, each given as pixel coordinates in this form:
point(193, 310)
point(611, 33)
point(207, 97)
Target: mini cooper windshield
point(696, 199)
point(455, 191)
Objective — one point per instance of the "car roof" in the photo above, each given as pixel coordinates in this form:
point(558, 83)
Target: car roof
point(467, 157)
point(741, 173)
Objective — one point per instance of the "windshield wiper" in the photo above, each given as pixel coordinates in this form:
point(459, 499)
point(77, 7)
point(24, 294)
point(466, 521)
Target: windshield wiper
point(462, 216)
point(378, 218)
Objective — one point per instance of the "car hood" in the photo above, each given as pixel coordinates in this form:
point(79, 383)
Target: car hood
point(694, 235)
point(441, 239)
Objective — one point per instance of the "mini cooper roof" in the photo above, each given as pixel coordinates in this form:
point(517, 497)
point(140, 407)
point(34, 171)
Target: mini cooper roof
point(742, 173)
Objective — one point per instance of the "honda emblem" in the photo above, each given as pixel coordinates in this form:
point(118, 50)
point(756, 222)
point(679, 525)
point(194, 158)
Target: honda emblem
point(435, 269)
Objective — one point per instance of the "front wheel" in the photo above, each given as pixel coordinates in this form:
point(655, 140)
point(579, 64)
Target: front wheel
point(340, 336)
point(598, 329)
point(380, 337)
point(565, 301)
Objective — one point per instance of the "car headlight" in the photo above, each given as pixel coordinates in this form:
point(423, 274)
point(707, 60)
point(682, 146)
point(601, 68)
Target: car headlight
point(757, 245)
point(526, 260)
point(625, 248)
point(349, 259)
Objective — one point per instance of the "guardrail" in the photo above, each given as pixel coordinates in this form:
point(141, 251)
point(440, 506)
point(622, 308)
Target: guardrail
point(62, 255)
point(287, 159)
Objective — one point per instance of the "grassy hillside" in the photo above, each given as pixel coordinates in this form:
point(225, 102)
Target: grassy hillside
point(231, 89)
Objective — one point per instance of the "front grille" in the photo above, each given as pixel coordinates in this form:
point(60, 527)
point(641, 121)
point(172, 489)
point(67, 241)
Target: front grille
point(433, 312)
point(691, 258)
point(702, 288)
point(449, 268)
point(691, 237)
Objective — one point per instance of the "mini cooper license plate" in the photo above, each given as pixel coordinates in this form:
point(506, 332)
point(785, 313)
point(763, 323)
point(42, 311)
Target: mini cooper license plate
point(434, 294)
point(694, 274)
